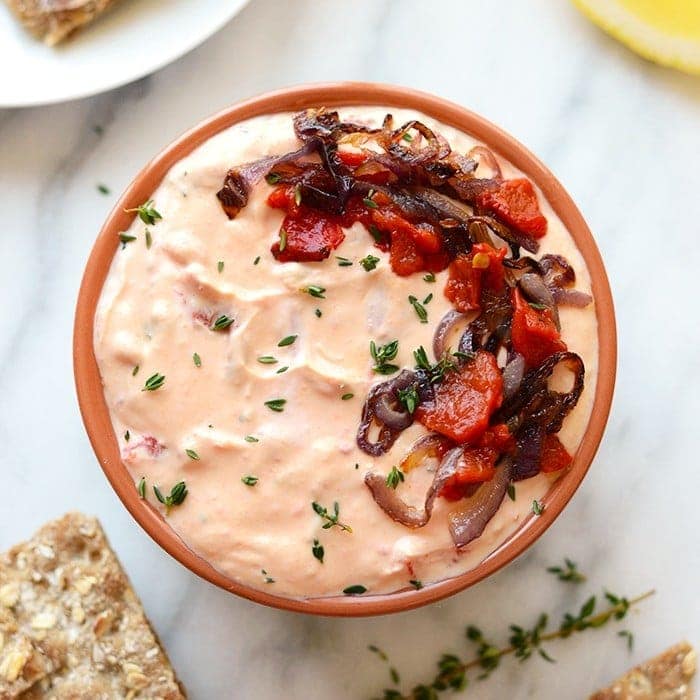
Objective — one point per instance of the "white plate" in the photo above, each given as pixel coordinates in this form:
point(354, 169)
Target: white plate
point(133, 39)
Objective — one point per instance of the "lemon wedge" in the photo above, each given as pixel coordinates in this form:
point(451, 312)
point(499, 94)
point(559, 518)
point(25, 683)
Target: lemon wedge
point(664, 31)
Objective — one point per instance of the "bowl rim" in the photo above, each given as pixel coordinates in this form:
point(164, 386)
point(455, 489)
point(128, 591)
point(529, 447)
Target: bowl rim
point(88, 383)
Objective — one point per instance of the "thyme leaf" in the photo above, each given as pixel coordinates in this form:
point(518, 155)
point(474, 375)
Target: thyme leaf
point(154, 382)
point(331, 519)
point(146, 212)
point(523, 643)
point(394, 477)
point(569, 572)
point(382, 354)
point(317, 550)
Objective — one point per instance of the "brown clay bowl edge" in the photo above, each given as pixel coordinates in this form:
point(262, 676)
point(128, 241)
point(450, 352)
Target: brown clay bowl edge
point(89, 387)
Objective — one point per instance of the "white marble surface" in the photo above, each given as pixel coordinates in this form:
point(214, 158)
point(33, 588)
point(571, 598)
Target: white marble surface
point(621, 134)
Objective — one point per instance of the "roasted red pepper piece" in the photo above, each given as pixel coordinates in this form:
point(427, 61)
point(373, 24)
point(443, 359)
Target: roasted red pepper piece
point(554, 455)
point(352, 159)
point(476, 465)
point(515, 203)
point(533, 331)
point(464, 400)
point(482, 267)
point(499, 438)
point(284, 197)
point(310, 237)
point(414, 248)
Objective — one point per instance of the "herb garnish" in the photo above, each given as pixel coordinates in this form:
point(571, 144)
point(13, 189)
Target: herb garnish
point(318, 313)
point(268, 579)
point(430, 277)
point(249, 480)
point(357, 589)
point(149, 239)
point(416, 584)
point(289, 340)
point(439, 369)
point(369, 202)
point(256, 261)
point(147, 213)
point(369, 262)
point(318, 551)
point(126, 238)
point(346, 397)
point(314, 290)
point(523, 643)
point(127, 436)
point(568, 572)
point(251, 438)
point(419, 308)
point(267, 360)
point(155, 381)
point(141, 488)
point(178, 493)
point(283, 240)
point(220, 266)
point(272, 178)
point(376, 233)
point(103, 189)
point(343, 262)
point(537, 507)
point(511, 491)
point(394, 477)
point(409, 398)
point(629, 636)
point(282, 370)
point(331, 519)
point(192, 455)
point(196, 359)
point(221, 323)
point(276, 404)
point(135, 371)
point(428, 299)
point(381, 354)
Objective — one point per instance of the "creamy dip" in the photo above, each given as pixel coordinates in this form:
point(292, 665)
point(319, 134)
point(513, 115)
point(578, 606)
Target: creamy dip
point(154, 314)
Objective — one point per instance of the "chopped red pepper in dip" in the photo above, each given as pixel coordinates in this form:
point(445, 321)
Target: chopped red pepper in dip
point(533, 331)
point(465, 400)
point(515, 203)
point(482, 267)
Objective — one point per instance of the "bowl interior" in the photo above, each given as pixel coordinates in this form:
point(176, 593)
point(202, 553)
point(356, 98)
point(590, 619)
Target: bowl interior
point(89, 386)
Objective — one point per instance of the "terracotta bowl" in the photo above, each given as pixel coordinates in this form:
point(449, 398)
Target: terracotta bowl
point(89, 387)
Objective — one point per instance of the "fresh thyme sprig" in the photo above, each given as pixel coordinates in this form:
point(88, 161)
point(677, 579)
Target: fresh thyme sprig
point(382, 354)
point(569, 572)
point(523, 644)
point(146, 212)
point(438, 370)
point(330, 518)
point(394, 477)
point(178, 493)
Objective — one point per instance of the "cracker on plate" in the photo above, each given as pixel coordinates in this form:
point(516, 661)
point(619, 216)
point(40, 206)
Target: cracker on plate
point(71, 626)
point(52, 21)
point(665, 677)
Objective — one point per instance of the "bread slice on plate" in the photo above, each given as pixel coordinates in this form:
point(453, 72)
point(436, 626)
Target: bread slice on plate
point(71, 626)
point(665, 677)
point(52, 21)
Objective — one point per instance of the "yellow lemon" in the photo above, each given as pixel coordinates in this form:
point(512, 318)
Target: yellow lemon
point(664, 31)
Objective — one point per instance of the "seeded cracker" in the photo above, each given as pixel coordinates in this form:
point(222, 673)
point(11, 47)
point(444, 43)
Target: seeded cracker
point(71, 625)
point(665, 677)
point(52, 21)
